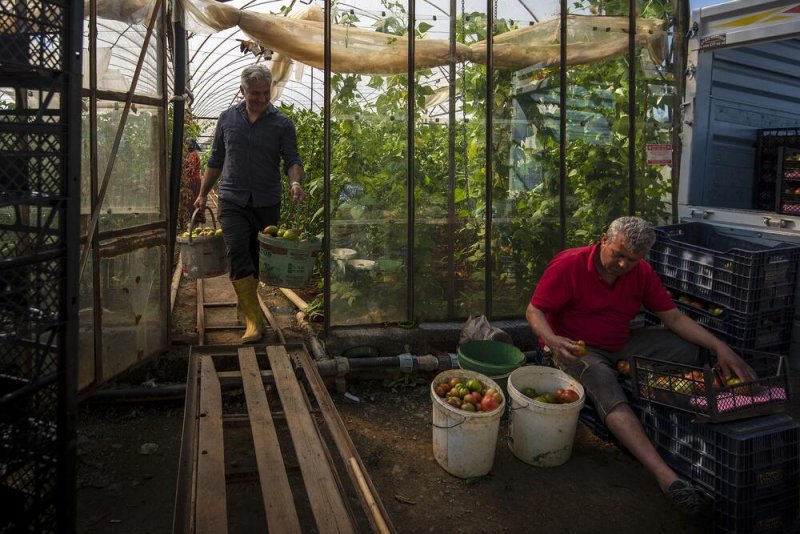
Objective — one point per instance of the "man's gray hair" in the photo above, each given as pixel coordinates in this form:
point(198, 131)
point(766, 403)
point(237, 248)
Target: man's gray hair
point(256, 73)
point(637, 234)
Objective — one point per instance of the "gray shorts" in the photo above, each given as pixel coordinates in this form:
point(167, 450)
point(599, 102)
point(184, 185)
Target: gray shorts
point(597, 371)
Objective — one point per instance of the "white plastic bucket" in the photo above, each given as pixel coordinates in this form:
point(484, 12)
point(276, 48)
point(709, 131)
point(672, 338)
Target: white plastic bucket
point(542, 434)
point(464, 442)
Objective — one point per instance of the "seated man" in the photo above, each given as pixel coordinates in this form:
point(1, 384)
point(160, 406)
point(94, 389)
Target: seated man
point(592, 294)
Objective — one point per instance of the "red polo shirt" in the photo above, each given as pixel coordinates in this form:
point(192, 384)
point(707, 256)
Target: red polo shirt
point(578, 304)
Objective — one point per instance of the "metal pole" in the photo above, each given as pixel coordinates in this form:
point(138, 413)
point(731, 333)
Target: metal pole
point(681, 14)
point(410, 165)
point(326, 165)
point(68, 385)
point(487, 291)
point(178, 115)
point(562, 132)
point(631, 107)
point(451, 162)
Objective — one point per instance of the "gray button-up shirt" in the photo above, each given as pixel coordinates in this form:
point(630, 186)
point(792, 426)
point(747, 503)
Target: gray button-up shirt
point(249, 155)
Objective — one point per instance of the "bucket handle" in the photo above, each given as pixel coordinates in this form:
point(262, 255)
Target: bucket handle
point(527, 404)
point(448, 427)
point(194, 214)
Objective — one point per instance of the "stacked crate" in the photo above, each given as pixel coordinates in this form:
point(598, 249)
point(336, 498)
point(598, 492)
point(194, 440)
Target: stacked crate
point(740, 288)
point(750, 467)
point(40, 151)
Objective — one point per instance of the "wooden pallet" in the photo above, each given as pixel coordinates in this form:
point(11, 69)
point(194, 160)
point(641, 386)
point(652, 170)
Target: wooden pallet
point(301, 472)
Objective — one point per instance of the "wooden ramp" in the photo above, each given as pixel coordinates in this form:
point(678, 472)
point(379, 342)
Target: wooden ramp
point(275, 456)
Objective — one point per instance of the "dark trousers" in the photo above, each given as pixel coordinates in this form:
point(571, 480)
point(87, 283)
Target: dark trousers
point(240, 227)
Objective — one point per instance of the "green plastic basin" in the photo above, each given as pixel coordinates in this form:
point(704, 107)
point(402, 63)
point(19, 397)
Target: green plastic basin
point(491, 358)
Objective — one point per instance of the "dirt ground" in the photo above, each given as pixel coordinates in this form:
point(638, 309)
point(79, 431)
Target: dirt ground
point(128, 456)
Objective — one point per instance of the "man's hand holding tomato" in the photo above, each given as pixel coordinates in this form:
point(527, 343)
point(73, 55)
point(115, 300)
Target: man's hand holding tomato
point(566, 349)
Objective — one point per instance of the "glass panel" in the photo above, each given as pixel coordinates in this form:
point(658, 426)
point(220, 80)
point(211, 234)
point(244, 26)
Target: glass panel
point(369, 179)
point(524, 214)
point(433, 190)
point(449, 161)
point(121, 35)
point(655, 90)
point(135, 190)
point(468, 273)
point(133, 310)
point(86, 370)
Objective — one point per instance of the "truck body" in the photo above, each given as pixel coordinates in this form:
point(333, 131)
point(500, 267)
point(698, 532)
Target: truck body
point(741, 124)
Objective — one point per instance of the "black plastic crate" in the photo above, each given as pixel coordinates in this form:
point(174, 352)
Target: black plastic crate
point(738, 299)
point(750, 468)
point(37, 39)
point(767, 331)
point(737, 461)
point(739, 273)
point(777, 514)
point(700, 389)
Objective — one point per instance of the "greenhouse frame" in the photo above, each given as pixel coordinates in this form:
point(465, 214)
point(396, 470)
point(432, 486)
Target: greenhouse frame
point(450, 147)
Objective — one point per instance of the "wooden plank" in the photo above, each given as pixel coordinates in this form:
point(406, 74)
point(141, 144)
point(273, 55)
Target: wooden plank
point(211, 514)
point(273, 323)
point(235, 377)
point(275, 489)
point(213, 327)
point(183, 516)
point(220, 304)
point(375, 510)
point(372, 504)
point(323, 492)
point(176, 282)
point(201, 313)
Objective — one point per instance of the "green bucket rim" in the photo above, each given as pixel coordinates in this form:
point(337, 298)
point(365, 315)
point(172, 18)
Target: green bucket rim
point(487, 367)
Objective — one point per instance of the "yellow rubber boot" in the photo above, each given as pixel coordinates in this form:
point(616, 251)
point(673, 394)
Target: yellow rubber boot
point(247, 294)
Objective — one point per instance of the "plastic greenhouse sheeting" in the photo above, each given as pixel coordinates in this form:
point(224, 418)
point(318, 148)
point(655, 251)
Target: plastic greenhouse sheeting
point(360, 51)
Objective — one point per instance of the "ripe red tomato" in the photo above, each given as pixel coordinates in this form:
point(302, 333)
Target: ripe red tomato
point(442, 389)
point(697, 382)
point(566, 396)
point(489, 403)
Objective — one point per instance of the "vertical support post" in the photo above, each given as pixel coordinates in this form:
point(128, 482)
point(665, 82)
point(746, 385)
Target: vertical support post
point(631, 107)
point(66, 500)
point(178, 115)
point(451, 161)
point(680, 11)
point(487, 291)
point(562, 129)
point(410, 163)
point(326, 165)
